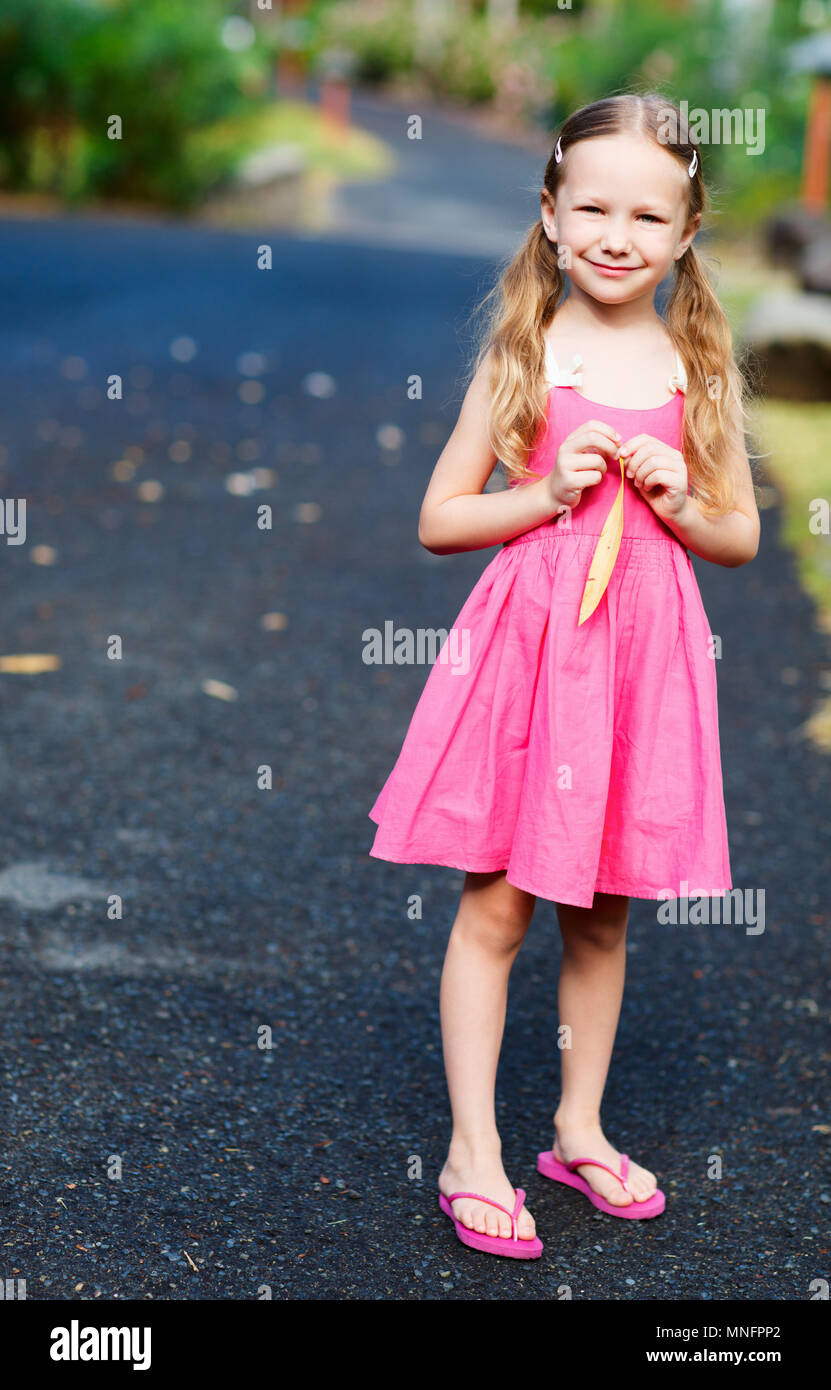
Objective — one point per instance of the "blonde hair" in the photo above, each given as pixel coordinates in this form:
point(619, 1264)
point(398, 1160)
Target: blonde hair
point(520, 308)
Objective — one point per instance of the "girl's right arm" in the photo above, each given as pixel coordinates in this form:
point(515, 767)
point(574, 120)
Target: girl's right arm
point(456, 515)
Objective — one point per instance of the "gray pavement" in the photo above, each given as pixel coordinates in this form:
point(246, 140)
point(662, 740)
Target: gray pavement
point(452, 189)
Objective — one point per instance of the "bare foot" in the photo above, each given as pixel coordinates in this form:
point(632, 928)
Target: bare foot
point(577, 1143)
point(483, 1173)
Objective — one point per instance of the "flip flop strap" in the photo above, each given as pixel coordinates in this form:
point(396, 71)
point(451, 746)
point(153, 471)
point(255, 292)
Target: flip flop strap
point(621, 1176)
point(477, 1196)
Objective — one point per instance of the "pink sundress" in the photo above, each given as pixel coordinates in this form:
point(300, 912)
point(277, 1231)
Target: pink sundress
point(577, 759)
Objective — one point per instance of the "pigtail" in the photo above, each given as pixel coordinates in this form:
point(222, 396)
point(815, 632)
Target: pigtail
point(518, 310)
point(700, 330)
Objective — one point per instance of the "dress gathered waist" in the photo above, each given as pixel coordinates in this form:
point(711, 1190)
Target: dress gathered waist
point(636, 552)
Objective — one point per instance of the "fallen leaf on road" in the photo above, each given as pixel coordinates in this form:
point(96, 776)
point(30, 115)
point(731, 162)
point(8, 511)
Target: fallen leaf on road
point(43, 555)
point(219, 690)
point(30, 663)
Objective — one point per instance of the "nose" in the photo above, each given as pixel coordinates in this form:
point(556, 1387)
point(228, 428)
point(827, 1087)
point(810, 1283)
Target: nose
point(615, 240)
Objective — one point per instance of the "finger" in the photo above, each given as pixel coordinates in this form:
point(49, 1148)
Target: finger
point(596, 437)
point(585, 476)
point(593, 439)
point(656, 461)
point(659, 477)
point(603, 427)
point(599, 427)
point(641, 468)
point(577, 462)
point(636, 441)
point(640, 454)
point(645, 457)
point(631, 465)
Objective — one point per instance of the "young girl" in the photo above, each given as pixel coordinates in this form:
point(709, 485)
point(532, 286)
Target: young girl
point(577, 758)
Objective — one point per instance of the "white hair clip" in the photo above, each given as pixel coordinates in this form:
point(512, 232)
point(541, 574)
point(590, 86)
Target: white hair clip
point(558, 155)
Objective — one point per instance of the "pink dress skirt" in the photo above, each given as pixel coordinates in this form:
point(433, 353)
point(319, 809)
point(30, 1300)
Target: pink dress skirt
point(579, 760)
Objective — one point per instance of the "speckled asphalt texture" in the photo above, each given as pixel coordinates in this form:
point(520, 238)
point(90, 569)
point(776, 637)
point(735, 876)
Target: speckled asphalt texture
point(151, 1147)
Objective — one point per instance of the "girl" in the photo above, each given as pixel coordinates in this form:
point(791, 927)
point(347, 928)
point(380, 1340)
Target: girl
point(577, 759)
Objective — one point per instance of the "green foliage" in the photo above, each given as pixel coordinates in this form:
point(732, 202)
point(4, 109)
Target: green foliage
point(35, 77)
point(710, 54)
point(379, 36)
point(67, 67)
point(470, 61)
point(717, 60)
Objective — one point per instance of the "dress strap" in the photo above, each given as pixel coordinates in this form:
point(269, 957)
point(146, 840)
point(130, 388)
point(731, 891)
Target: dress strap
point(562, 376)
point(678, 380)
point(556, 375)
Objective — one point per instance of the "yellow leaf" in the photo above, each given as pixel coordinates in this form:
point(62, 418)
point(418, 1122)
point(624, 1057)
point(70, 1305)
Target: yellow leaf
point(605, 554)
point(29, 663)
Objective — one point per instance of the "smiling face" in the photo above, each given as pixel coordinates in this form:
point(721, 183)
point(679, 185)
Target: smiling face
point(621, 212)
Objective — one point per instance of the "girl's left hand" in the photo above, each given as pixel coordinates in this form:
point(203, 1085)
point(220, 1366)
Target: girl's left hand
point(658, 472)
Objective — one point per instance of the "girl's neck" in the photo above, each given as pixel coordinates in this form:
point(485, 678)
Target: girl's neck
point(580, 313)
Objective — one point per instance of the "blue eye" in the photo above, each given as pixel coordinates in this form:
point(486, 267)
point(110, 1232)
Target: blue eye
point(589, 207)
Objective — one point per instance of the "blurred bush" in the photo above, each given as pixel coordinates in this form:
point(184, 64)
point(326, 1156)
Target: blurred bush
point(166, 68)
point(379, 34)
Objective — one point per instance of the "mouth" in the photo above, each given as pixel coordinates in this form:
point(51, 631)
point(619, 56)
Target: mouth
point(613, 270)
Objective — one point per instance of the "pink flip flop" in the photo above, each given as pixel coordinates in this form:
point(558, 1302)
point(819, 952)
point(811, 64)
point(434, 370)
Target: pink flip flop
point(512, 1245)
point(551, 1167)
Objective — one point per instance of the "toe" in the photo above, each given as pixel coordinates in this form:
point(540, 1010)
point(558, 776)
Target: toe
point(619, 1198)
point(467, 1214)
point(644, 1184)
point(616, 1193)
point(606, 1186)
point(526, 1229)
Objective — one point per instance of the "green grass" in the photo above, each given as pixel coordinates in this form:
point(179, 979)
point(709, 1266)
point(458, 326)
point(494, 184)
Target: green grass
point(356, 154)
point(800, 468)
point(797, 434)
point(792, 436)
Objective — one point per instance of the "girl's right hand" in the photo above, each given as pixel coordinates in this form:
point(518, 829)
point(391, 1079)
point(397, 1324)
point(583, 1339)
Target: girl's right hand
point(581, 462)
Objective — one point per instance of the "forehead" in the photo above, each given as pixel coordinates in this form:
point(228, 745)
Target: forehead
point(624, 168)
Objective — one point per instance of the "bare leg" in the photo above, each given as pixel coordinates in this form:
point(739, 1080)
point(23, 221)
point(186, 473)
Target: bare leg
point(590, 994)
point(489, 929)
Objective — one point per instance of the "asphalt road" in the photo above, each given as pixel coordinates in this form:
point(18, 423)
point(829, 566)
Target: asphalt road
point(150, 1146)
point(452, 187)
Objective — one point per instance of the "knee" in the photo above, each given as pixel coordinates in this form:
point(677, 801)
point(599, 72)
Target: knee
point(599, 929)
point(499, 930)
point(600, 936)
